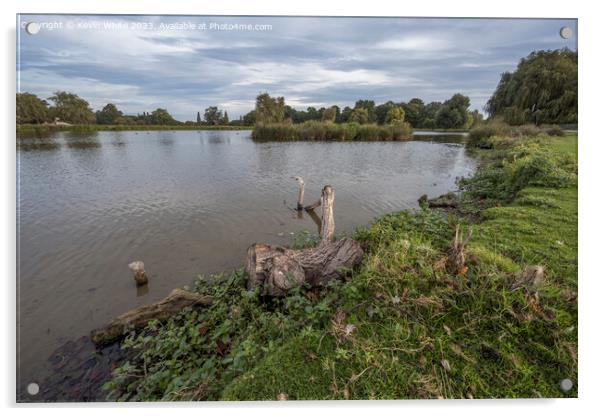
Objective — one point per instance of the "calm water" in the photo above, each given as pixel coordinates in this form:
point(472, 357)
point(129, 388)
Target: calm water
point(186, 203)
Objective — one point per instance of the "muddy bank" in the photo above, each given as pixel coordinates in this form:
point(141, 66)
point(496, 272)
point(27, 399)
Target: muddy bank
point(79, 370)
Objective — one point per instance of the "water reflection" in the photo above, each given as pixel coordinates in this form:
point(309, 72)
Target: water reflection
point(41, 144)
point(142, 290)
point(82, 140)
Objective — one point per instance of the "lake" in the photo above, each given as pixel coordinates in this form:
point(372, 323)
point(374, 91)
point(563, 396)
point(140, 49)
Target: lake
point(187, 203)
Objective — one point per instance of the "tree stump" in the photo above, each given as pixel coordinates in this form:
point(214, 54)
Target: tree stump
point(277, 269)
point(137, 267)
point(299, 179)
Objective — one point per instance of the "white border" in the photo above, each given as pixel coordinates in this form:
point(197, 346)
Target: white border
point(589, 217)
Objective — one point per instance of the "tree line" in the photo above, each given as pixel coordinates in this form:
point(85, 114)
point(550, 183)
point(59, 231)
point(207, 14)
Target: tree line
point(452, 113)
point(70, 108)
point(542, 90)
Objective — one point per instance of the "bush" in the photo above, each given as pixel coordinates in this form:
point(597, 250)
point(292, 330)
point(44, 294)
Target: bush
point(328, 131)
point(480, 136)
point(554, 131)
point(523, 164)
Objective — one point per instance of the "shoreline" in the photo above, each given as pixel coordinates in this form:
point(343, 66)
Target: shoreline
point(50, 128)
point(239, 388)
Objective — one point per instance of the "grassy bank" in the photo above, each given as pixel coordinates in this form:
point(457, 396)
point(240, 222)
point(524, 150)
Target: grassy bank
point(313, 130)
point(406, 325)
point(47, 128)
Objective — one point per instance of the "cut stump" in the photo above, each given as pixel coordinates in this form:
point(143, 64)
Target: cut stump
point(277, 269)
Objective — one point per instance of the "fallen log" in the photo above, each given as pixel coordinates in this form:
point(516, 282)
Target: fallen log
point(277, 269)
point(138, 318)
point(448, 200)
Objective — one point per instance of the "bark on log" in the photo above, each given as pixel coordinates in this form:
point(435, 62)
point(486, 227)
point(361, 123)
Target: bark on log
point(177, 300)
point(277, 269)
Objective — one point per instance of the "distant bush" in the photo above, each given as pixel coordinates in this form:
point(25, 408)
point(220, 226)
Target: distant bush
point(328, 131)
point(480, 136)
point(554, 131)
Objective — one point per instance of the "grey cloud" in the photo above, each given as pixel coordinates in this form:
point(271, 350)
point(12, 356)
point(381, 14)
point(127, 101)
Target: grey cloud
point(308, 60)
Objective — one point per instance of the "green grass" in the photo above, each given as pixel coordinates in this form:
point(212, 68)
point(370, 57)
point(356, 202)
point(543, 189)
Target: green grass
point(406, 325)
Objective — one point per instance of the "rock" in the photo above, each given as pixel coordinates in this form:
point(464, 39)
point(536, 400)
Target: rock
point(138, 318)
point(423, 199)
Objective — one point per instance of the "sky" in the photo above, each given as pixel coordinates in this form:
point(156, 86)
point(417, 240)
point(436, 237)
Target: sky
point(187, 63)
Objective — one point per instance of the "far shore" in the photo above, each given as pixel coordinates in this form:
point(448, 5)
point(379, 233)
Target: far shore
point(33, 128)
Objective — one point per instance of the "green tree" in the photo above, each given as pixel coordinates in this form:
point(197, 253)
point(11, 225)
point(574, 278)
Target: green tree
point(225, 119)
point(213, 116)
point(369, 106)
point(381, 110)
point(346, 115)
point(250, 118)
point(70, 108)
point(108, 115)
point(162, 117)
point(542, 89)
point(268, 109)
point(430, 115)
point(453, 113)
point(414, 111)
point(330, 114)
point(30, 109)
point(360, 115)
point(476, 118)
point(395, 115)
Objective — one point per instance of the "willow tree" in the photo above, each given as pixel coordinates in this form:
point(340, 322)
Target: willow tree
point(71, 108)
point(31, 109)
point(268, 109)
point(542, 89)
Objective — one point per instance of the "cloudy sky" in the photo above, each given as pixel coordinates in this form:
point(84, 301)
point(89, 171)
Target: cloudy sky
point(187, 63)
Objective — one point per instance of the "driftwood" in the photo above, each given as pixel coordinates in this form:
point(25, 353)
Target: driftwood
point(177, 300)
point(277, 269)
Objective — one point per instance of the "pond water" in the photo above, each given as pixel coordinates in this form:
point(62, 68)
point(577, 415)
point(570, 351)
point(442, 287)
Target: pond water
point(186, 203)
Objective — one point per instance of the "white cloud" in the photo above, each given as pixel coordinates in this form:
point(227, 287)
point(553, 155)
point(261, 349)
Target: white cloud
point(420, 43)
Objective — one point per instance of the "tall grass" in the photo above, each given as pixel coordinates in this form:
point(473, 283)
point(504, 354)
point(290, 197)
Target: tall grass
point(327, 131)
point(478, 136)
